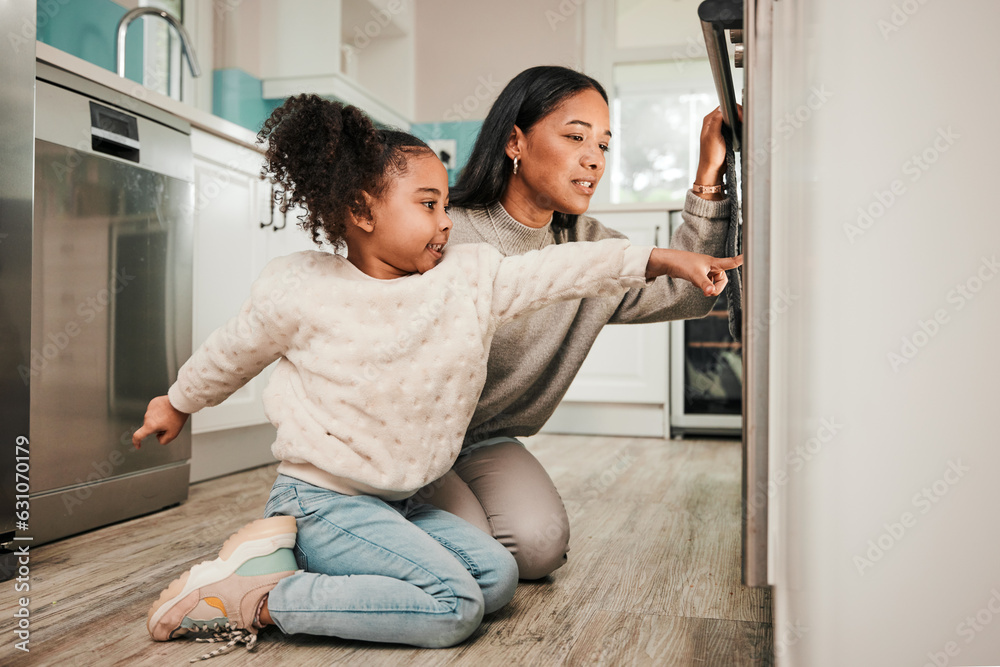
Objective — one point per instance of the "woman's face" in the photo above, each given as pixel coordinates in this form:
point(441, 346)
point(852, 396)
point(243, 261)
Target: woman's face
point(562, 155)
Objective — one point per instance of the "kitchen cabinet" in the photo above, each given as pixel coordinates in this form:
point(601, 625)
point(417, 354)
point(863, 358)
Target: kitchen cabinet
point(359, 51)
point(237, 232)
point(622, 387)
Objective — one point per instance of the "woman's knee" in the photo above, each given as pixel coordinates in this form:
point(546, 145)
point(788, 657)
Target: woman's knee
point(451, 494)
point(539, 543)
point(525, 511)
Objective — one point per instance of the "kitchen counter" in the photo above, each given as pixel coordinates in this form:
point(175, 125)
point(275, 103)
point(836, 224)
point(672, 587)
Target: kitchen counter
point(196, 117)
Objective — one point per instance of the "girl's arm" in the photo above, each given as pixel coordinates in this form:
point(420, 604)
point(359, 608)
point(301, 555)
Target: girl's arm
point(524, 283)
point(233, 354)
point(227, 360)
point(163, 419)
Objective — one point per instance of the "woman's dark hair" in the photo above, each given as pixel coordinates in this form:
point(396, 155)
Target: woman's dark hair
point(324, 156)
point(529, 97)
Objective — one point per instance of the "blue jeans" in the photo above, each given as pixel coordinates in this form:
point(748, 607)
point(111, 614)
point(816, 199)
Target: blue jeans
point(400, 572)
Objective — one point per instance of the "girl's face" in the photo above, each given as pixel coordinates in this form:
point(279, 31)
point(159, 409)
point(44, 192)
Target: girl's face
point(409, 227)
point(562, 155)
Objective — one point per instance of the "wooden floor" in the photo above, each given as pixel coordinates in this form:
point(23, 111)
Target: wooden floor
point(652, 578)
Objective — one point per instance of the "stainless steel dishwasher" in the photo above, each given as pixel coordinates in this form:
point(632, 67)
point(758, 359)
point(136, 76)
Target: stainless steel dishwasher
point(111, 303)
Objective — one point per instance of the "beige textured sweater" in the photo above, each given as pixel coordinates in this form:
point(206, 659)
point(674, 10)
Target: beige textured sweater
point(534, 360)
point(377, 379)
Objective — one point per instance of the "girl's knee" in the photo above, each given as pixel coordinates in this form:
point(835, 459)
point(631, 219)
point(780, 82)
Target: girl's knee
point(458, 625)
point(501, 589)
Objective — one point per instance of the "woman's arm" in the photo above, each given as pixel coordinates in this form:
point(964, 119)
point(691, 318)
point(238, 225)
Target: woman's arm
point(706, 221)
point(703, 271)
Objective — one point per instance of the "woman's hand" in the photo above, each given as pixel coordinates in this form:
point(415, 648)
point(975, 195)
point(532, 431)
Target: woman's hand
point(704, 271)
point(712, 159)
point(163, 419)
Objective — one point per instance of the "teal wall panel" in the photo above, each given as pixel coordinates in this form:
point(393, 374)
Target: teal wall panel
point(463, 132)
point(238, 97)
point(86, 29)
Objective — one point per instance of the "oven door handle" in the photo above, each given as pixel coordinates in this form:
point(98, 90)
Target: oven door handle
point(753, 21)
point(717, 16)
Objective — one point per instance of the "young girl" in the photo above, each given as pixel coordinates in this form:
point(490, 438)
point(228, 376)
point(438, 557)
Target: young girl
point(381, 358)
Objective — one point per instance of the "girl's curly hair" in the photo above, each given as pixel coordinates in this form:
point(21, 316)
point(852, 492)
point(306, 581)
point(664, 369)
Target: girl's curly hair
point(324, 155)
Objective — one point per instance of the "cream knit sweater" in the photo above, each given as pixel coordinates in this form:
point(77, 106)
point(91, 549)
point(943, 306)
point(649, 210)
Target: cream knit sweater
point(377, 380)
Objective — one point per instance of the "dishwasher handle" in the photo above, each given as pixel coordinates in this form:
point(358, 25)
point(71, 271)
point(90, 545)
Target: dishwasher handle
point(114, 133)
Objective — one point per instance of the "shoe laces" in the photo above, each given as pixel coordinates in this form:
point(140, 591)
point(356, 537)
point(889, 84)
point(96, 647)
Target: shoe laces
point(228, 633)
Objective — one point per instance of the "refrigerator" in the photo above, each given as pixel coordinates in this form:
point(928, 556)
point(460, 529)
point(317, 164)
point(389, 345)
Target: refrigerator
point(871, 446)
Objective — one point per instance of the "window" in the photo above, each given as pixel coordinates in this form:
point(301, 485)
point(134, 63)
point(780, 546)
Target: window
point(657, 112)
point(650, 55)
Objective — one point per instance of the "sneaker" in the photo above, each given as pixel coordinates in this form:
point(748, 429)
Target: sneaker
point(223, 597)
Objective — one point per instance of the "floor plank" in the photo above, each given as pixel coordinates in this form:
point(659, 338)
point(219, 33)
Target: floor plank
point(653, 576)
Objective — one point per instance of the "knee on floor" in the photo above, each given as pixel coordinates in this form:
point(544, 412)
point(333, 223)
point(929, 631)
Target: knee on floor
point(540, 546)
point(501, 590)
point(455, 627)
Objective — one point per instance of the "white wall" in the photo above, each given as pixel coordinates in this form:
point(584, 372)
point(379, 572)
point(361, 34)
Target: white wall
point(237, 42)
point(868, 570)
point(644, 23)
point(467, 50)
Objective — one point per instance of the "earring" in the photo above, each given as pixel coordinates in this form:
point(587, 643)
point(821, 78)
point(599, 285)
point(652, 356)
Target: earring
point(516, 160)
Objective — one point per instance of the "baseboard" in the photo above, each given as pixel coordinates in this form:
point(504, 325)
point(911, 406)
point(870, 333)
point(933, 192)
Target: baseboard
point(219, 453)
point(614, 419)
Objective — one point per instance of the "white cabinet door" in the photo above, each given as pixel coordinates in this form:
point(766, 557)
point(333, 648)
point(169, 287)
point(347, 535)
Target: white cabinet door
point(229, 253)
point(621, 388)
point(282, 235)
point(358, 51)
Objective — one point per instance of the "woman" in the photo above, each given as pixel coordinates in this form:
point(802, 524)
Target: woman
point(536, 163)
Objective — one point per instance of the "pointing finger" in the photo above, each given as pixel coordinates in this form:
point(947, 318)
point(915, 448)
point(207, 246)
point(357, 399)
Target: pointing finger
point(140, 435)
point(729, 263)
